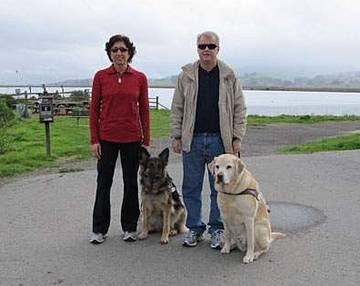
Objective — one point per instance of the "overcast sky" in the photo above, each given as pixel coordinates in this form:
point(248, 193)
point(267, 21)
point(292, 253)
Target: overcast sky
point(53, 40)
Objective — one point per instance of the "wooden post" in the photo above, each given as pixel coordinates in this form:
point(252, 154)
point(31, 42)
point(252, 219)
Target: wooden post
point(26, 105)
point(157, 103)
point(48, 144)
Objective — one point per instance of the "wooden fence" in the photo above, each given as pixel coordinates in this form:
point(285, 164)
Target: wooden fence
point(64, 104)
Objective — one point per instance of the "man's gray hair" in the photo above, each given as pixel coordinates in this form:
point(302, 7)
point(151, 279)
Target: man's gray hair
point(208, 34)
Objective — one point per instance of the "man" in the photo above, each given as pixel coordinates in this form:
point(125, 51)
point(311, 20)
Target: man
point(208, 118)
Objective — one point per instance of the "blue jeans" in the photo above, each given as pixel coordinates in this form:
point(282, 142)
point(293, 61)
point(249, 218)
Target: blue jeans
point(204, 147)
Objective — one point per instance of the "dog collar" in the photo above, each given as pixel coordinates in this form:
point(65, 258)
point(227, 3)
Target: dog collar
point(252, 192)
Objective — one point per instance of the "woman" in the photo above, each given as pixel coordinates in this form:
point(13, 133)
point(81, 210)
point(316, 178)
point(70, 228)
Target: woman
point(119, 121)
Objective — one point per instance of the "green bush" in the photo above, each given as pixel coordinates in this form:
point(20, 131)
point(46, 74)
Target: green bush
point(79, 95)
point(9, 100)
point(6, 114)
point(6, 118)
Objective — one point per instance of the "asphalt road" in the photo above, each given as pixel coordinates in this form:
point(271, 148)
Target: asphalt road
point(45, 221)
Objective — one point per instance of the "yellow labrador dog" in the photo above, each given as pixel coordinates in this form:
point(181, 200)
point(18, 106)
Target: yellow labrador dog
point(243, 208)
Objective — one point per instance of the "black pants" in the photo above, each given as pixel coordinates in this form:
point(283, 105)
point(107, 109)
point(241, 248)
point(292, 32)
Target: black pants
point(106, 167)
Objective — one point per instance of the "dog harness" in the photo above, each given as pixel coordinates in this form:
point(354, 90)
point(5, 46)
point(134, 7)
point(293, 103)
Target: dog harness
point(252, 192)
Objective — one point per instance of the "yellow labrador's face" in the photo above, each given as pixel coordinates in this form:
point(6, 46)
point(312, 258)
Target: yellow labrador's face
point(225, 168)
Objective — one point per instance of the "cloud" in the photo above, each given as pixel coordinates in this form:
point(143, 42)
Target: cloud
point(56, 40)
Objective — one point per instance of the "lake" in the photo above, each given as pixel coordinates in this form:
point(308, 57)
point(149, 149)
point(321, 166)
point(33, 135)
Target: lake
point(258, 102)
point(273, 103)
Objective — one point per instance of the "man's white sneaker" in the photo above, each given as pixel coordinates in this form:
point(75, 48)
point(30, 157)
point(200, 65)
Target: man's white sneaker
point(129, 236)
point(217, 239)
point(192, 238)
point(97, 238)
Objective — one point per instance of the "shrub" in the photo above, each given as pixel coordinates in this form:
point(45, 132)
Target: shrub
point(9, 100)
point(6, 117)
point(79, 95)
point(6, 114)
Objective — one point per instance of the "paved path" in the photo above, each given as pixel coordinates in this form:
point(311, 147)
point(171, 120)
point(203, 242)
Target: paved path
point(45, 221)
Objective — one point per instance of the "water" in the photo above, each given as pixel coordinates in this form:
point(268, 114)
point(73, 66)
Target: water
point(269, 103)
point(273, 103)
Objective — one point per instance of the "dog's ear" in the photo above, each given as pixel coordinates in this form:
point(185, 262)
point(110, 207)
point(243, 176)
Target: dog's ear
point(164, 156)
point(211, 166)
point(239, 166)
point(143, 155)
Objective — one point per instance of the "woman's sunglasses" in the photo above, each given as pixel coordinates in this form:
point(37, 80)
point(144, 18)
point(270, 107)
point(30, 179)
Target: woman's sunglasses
point(121, 49)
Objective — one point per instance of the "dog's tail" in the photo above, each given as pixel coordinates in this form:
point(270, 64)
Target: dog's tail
point(277, 235)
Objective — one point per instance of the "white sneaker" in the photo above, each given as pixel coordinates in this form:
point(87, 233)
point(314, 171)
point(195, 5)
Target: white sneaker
point(129, 236)
point(192, 238)
point(97, 238)
point(217, 239)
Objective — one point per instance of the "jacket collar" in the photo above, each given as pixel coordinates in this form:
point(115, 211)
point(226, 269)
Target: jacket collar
point(191, 69)
point(111, 70)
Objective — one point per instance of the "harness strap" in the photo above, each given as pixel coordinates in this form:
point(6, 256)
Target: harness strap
point(252, 192)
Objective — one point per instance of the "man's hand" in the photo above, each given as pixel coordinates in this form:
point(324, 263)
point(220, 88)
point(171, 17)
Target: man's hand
point(176, 145)
point(236, 147)
point(96, 150)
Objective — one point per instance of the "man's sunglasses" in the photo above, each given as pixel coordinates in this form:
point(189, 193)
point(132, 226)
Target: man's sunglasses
point(121, 49)
point(210, 46)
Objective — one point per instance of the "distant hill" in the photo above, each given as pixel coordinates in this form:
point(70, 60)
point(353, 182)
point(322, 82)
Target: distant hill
point(348, 80)
point(167, 81)
point(341, 80)
point(72, 82)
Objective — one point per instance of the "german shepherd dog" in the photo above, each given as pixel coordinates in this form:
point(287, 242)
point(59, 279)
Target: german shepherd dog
point(162, 209)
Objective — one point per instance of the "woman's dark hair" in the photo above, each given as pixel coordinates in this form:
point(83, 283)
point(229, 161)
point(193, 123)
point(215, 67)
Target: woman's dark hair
point(125, 40)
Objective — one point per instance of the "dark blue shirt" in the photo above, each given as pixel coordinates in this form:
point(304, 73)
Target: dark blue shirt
point(207, 108)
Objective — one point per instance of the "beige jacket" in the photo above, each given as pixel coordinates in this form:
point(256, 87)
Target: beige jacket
point(232, 109)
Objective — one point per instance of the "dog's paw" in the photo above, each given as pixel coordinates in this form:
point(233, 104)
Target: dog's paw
point(173, 232)
point(143, 235)
point(164, 240)
point(248, 259)
point(225, 249)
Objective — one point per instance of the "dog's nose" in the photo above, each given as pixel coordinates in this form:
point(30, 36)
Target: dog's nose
point(220, 177)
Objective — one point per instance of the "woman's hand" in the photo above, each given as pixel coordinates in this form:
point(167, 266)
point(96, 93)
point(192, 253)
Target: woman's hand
point(96, 150)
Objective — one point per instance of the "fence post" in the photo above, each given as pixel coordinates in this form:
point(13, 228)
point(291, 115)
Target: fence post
point(26, 103)
point(157, 103)
point(47, 135)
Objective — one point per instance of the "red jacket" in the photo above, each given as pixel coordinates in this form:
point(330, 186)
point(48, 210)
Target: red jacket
point(119, 112)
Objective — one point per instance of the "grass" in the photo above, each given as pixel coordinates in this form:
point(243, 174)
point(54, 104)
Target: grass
point(160, 124)
point(348, 142)
point(69, 142)
point(298, 119)
point(27, 151)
